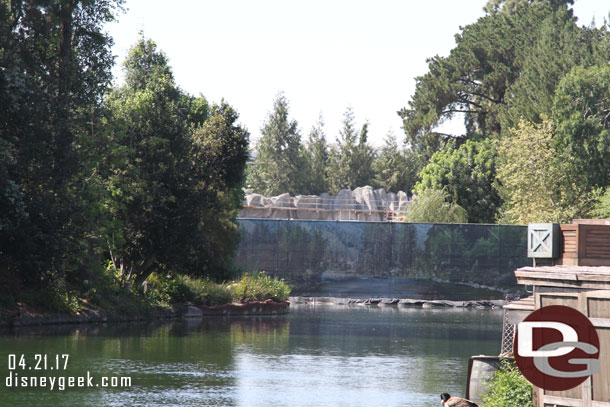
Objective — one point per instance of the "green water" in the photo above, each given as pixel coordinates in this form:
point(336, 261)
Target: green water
point(314, 356)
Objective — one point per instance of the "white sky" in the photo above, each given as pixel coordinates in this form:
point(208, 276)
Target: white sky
point(324, 55)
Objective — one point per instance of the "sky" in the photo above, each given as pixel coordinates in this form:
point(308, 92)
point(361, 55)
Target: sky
point(324, 55)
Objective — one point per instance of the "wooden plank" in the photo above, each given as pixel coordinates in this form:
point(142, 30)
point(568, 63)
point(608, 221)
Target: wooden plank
point(561, 401)
point(599, 294)
point(547, 299)
point(546, 275)
point(600, 382)
point(600, 322)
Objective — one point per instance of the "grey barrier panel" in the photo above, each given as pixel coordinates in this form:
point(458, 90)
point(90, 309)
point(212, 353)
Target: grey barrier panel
point(303, 251)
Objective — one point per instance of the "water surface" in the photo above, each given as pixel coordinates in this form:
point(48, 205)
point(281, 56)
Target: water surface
point(314, 356)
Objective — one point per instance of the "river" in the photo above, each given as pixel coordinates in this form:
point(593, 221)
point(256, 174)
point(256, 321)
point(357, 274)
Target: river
point(315, 356)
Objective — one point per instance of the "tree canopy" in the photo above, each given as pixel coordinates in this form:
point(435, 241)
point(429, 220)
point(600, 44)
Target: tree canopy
point(279, 165)
point(351, 158)
point(173, 167)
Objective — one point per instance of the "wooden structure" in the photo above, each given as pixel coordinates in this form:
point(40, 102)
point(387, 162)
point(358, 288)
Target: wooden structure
point(586, 289)
point(480, 369)
point(585, 242)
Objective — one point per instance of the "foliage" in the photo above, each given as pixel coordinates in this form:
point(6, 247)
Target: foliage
point(394, 168)
point(172, 171)
point(316, 150)
point(55, 65)
point(259, 287)
point(435, 206)
point(351, 158)
point(505, 66)
point(581, 109)
point(535, 180)
point(601, 203)
point(471, 81)
point(251, 287)
point(280, 163)
point(559, 45)
point(508, 388)
point(468, 171)
point(201, 291)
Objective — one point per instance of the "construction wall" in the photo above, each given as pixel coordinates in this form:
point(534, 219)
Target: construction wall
point(303, 251)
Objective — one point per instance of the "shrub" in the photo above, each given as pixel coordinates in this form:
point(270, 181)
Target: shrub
point(259, 287)
point(201, 291)
point(508, 388)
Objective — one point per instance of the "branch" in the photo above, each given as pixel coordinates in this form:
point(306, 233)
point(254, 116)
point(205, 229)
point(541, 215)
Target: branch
point(460, 111)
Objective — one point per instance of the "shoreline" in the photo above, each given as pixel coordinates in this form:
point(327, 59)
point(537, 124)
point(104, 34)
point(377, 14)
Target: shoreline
point(254, 308)
point(38, 318)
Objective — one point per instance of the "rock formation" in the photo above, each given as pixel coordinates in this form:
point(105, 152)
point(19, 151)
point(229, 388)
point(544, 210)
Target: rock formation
point(361, 204)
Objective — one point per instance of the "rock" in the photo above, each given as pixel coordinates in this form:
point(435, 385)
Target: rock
point(403, 202)
point(361, 204)
point(192, 312)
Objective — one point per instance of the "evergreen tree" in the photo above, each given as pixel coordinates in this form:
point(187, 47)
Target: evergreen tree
point(317, 155)
point(351, 158)
point(476, 80)
point(581, 111)
point(395, 168)
point(279, 165)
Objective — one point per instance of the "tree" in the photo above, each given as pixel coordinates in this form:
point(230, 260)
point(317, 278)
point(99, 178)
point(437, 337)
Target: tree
point(395, 168)
point(468, 172)
point(316, 150)
point(55, 67)
point(172, 172)
point(279, 165)
point(351, 158)
point(476, 80)
point(581, 110)
point(218, 156)
point(435, 206)
point(512, 6)
point(535, 179)
point(559, 45)
point(472, 80)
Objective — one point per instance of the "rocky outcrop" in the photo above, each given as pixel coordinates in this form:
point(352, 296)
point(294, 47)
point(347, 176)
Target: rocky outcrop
point(361, 204)
point(400, 302)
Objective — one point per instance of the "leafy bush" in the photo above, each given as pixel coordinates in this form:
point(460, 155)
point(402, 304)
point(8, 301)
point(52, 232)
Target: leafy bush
point(508, 388)
point(259, 287)
point(201, 291)
point(164, 290)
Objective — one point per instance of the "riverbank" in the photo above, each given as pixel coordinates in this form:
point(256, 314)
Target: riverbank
point(163, 296)
point(29, 317)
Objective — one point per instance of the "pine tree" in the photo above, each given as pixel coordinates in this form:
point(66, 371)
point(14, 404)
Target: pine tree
point(394, 170)
point(279, 165)
point(351, 159)
point(317, 156)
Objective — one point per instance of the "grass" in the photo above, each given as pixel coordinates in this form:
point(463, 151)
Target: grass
point(251, 287)
point(259, 287)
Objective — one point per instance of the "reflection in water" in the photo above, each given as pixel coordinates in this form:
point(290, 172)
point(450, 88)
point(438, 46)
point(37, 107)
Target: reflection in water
point(399, 288)
point(314, 356)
